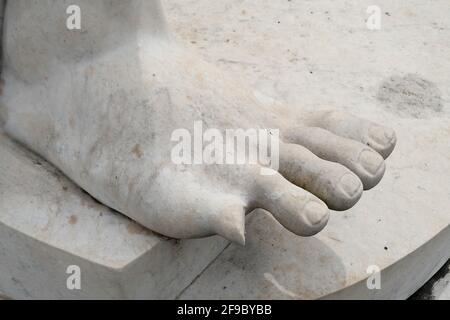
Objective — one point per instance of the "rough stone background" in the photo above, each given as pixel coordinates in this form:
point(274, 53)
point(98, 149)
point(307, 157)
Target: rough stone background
point(438, 288)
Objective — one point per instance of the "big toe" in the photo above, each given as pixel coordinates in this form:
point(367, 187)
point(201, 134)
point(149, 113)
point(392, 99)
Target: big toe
point(380, 138)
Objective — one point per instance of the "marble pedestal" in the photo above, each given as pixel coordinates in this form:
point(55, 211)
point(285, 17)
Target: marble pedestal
point(47, 224)
point(312, 54)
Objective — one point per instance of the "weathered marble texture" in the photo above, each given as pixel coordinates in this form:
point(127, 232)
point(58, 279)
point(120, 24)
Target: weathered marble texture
point(106, 104)
point(319, 54)
point(48, 224)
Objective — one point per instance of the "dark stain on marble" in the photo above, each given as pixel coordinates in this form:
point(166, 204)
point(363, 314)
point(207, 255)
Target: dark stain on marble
point(410, 96)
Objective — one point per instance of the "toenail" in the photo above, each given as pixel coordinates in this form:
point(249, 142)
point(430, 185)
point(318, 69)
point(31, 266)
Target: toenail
point(315, 213)
point(381, 135)
point(350, 185)
point(371, 161)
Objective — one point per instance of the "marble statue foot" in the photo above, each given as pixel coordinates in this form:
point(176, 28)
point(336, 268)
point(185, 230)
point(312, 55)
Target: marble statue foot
point(103, 105)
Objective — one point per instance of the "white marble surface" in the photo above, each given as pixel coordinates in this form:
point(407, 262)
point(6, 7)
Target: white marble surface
point(320, 54)
point(311, 53)
point(48, 224)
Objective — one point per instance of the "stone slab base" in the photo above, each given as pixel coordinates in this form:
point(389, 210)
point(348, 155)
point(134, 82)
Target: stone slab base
point(401, 228)
point(48, 224)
